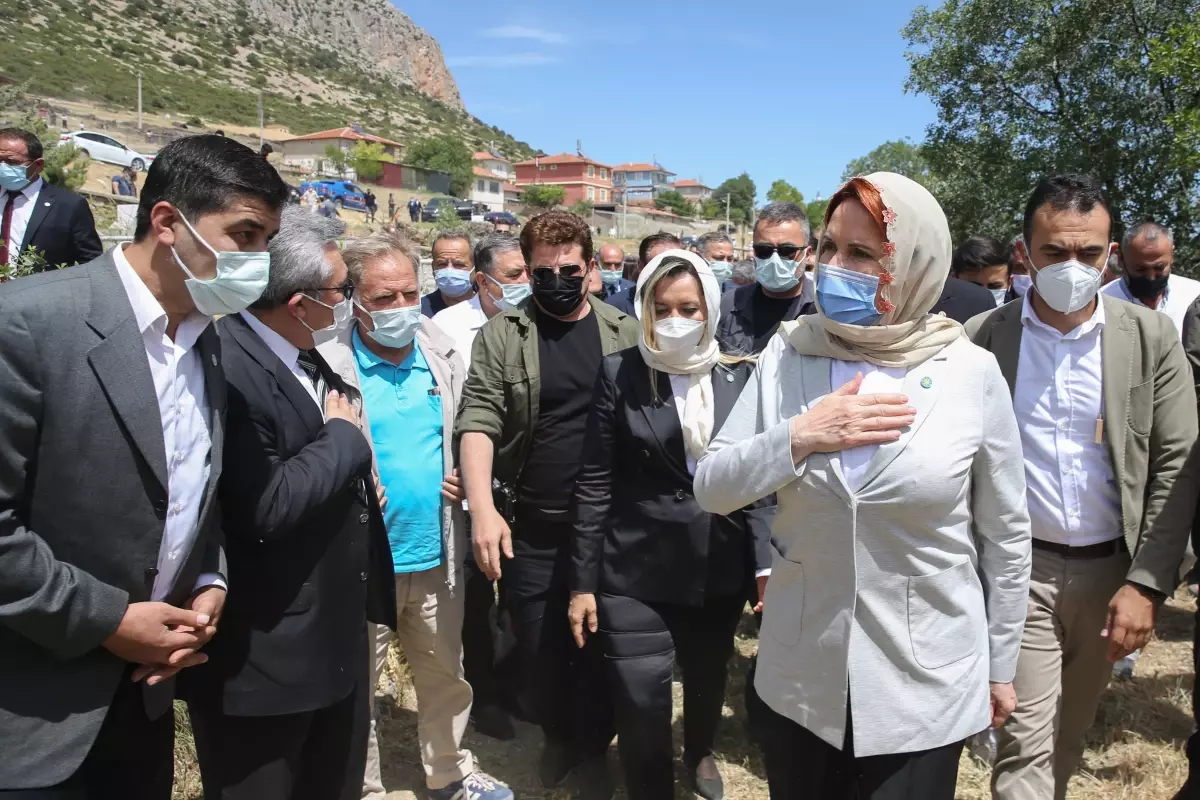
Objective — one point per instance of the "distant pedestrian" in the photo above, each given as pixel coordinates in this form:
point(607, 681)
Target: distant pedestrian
point(414, 209)
point(369, 202)
point(121, 186)
point(310, 199)
point(391, 207)
point(328, 208)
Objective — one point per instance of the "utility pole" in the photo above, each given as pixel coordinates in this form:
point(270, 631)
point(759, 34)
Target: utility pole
point(727, 215)
point(260, 120)
point(139, 99)
point(625, 214)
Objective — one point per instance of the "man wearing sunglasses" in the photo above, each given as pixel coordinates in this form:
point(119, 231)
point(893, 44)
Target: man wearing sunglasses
point(282, 701)
point(751, 314)
point(522, 422)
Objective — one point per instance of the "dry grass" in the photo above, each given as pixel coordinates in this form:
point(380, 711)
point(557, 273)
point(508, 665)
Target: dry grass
point(1135, 749)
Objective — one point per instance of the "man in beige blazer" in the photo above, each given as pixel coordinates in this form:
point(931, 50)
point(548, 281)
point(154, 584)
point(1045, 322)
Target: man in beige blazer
point(1107, 415)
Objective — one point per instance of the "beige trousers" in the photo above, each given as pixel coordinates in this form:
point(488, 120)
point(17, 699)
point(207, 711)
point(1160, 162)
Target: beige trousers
point(1061, 673)
point(429, 627)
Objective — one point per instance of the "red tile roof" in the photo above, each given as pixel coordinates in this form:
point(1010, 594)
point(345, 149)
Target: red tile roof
point(689, 183)
point(485, 173)
point(561, 158)
point(641, 167)
point(344, 133)
point(490, 157)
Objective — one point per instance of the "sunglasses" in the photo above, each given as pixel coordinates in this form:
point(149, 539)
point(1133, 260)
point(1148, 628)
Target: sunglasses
point(788, 252)
point(346, 289)
point(565, 270)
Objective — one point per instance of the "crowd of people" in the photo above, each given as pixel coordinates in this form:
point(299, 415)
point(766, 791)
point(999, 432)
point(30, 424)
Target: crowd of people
point(243, 454)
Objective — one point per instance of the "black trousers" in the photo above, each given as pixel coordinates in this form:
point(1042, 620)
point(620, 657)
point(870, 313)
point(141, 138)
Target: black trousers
point(490, 681)
point(133, 757)
point(642, 643)
point(563, 683)
point(312, 755)
point(801, 766)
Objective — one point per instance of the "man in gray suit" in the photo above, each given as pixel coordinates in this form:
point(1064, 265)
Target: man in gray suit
point(112, 404)
point(1104, 402)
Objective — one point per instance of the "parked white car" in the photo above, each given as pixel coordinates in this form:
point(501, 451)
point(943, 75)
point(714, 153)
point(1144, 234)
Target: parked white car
point(107, 149)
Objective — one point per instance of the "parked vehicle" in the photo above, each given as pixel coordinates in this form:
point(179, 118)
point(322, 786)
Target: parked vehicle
point(102, 147)
point(500, 216)
point(345, 194)
point(463, 208)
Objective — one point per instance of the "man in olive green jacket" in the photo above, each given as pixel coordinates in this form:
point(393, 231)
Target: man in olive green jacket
point(521, 423)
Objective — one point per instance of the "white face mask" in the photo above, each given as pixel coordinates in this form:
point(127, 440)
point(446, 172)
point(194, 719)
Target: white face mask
point(675, 335)
point(341, 318)
point(1021, 284)
point(1067, 287)
point(240, 280)
point(998, 295)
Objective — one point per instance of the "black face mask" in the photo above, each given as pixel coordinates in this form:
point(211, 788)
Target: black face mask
point(1144, 288)
point(557, 294)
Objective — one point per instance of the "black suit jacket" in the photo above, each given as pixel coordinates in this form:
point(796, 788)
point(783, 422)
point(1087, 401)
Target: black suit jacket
point(62, 227)
point(962, 300)
point(305, 541)
point(83, 506)
point(638, 529)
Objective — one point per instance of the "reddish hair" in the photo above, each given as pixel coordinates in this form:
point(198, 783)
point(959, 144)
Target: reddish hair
point(865, 192)
point(556, 228)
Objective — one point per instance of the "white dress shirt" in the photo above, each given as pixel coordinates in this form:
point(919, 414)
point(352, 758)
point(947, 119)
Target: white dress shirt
point(1179, 295)
point(876, 380)
point(183, 410)
point(22, 211)
point(462, 321)
point(287, 352)
point(1059, 403)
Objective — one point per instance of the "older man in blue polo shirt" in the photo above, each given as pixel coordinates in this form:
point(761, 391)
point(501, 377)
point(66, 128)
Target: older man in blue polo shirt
point(410, 377)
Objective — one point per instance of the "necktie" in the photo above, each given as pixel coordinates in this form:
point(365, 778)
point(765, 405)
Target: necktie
point(308, 363)
point(6, 225)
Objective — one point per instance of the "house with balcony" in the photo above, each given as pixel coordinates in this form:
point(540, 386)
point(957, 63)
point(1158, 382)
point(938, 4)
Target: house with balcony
point(582, 178)
point(307, 153)
point(640, 181)
point(693, 190)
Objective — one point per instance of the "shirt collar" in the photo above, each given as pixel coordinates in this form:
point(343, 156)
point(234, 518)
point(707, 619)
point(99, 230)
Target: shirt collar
point(148, 312)
point(367, 361)
point(31, 191)
point(286, 352)
point(1030, 319)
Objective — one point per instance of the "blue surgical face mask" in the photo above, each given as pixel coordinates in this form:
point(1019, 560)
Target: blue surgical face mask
point(776, 274)
point(722, 270)
point(453, 281)
point(611, 277)
point(240, 280)
point(999, 295)
point(511, 294)
point(394, 327)
point(847, 297)
point(13, 177)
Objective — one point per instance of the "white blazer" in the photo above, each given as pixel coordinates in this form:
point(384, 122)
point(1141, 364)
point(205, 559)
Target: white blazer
point(910, 592)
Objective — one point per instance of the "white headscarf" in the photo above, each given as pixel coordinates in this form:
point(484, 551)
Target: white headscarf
point(697, 416)
point(916, 266)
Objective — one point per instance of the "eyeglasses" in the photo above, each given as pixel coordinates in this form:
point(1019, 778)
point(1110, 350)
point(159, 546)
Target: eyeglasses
point(346, 290)
point(788, 252)
point(565, 270)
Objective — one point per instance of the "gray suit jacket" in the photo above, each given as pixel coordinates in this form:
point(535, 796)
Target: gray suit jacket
point(83, 503)
point(910, 590)
point(449, 374)
point(1149, 426)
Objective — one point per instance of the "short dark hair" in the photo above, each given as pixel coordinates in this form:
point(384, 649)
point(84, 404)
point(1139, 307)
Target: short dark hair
point(556, 228)
point(33, 145)
point(976, 253)
point(779, 213)
point(1070, 192)
point(202, 174)
point(662, 237)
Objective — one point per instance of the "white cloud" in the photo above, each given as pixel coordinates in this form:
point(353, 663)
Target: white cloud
point(522, 32)
point(501, 60)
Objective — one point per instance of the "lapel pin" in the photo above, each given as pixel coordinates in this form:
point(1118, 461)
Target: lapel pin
point(47, 204)
point(214, 358)
point(926, 382)
point(729, 378)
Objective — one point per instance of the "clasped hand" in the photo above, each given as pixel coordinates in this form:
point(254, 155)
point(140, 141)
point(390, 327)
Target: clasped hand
point(846, 419)
point(164, 639)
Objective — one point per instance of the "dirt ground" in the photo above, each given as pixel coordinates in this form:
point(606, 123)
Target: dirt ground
point(1135, 749)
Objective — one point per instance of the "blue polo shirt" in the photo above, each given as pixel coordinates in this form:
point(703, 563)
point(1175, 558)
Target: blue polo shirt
point(406, 428)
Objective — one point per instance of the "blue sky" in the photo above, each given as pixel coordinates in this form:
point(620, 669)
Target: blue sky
point(779, 89)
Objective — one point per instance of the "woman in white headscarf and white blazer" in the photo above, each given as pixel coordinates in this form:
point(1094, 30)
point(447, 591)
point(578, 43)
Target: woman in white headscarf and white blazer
point(661, 579)
point(893, 615)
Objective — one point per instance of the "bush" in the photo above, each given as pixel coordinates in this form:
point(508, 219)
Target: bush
point(185, 60)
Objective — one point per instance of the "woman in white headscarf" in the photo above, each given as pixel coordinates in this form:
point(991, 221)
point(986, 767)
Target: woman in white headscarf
point(662, 580)
point(893, 616)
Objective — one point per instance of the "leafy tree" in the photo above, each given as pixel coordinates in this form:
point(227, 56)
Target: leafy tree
point(815, 209)
point(582, 208)
point(1028, 88)
point(673, 201)
point(444, 154)
point(783, 192)
point(367, 159)
point(900, 156)
point(447, 218)
point(543, 195)
point(710, 209)
point(1177, 57)
point(741, 192)
point(337, 159)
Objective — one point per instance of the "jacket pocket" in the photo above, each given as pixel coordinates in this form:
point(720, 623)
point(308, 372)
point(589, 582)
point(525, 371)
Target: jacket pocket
point(302, 602)
point(944, 610)
point(1140, 415)
point(783, 605)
